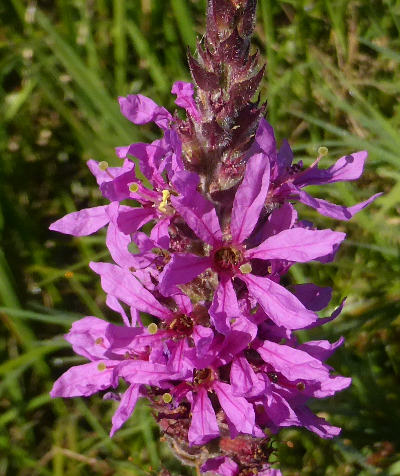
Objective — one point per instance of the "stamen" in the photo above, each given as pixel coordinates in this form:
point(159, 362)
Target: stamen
point(322, 151)
point(103, 165)
point(167, 397)
point(246, 268)
point(133, 187)
point(101, 366)
point(152, 328)
point(163, 205)
point(99, 341)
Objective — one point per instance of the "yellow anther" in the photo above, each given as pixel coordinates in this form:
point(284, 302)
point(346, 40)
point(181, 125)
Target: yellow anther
point(322, 151)
point(133, 187)
point(69, 274)
point(103, 165)
point(246, 268)
point(152, 328)
point(101, 366)
point(167, 397)
point(163, 205)
point(99, 341)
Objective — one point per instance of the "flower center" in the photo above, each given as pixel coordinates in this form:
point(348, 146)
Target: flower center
point(203, 377)
point(227, 258)
point(182, 324)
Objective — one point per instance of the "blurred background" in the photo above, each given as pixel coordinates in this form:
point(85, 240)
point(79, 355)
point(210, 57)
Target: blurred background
point(332, 80)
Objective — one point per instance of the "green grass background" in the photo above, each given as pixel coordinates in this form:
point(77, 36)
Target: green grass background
point(332, 80)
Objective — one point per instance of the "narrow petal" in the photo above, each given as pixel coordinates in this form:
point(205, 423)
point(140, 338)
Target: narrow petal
point(282, 218)
point(184, 98)
point(282, 307)
point(82, 223)
point(181, 269)
point(87, 337)
point(349, 167)
point(85, 380)
point(146, 373)
point(113, 303)
point(222, 466)
point(237, 409)
point(244, 380)
point(159, 234)
point(298, 244)
point(203, 337)
point(125, 408)
point(118, 242)
point(141, 110)
point(200, 215)
point(124, 286)
point(224, 306)
point(321, 349)
point(313, 297)
point(118, 189)
point(111, 173)
point(292, 363)
point(130, 221)
point(334, 211)
point(250, 197)
point(203, 426)
point(316, 424)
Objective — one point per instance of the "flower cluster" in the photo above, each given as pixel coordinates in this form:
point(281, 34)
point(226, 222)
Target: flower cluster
point(214, 353)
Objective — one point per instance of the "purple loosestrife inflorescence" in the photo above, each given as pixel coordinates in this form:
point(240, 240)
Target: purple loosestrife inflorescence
point(219, 362)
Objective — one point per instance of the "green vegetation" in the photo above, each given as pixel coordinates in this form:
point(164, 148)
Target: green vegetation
point(333, 80)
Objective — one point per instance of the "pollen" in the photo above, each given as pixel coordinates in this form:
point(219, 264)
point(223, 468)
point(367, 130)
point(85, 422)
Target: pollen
point(152, 328)
point(101, 366)
point(246, 268)
point(99, 341)
point(163, 205)
point(167, 397)
point(322, 151)
point(69, 274)
point(103, 165)
point(133, 187)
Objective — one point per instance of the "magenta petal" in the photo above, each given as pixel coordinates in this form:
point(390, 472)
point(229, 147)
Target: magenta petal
point(292, 363)
point(244, 380)
point(224, 305)
point(113, 303)
point(125, 408)
point(159, 234)
point(123, 285)
point(297, 244)
point(82, 223)
point(316, 424)
point(200, 215)
point(118, 242)
point(203, 337)
point(237, 409)
point(203, 426)
point(222, 466)
point(85, 334)
point(141, 110)
point(280, 219)
point(130, 221)
point(349, 167)
point(334, 211)
point(146, 373)
point(184, 98)
point(110, 173)
point(281, 306)
point(250, 197)
point(321, 349)
point(313, 297)
point(85, 380)
point(118, 189)
point(181, 269)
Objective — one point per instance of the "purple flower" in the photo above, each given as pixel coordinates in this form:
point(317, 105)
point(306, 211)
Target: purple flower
point(230, 258)
point(288, 180)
